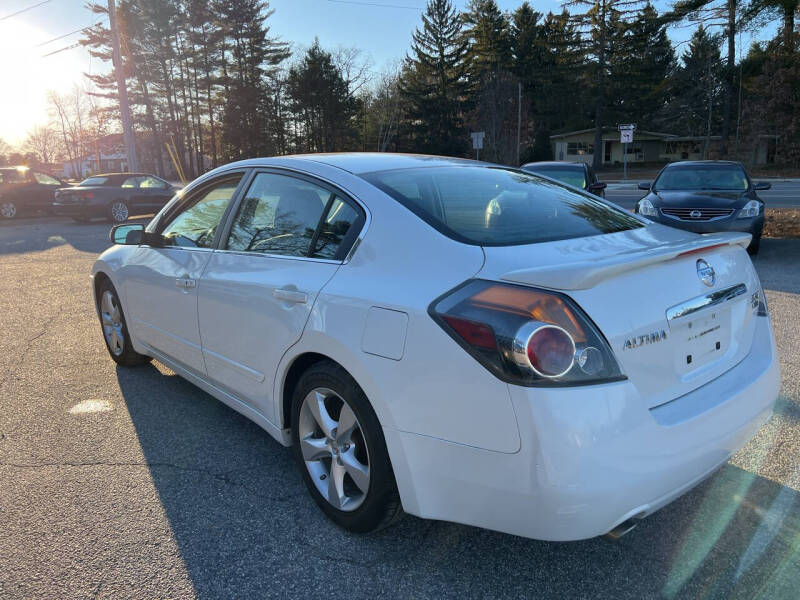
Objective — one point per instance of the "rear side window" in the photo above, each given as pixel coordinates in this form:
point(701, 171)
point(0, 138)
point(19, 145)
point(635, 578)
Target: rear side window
point(288, 216)
point(499, 207)
point(94, 181)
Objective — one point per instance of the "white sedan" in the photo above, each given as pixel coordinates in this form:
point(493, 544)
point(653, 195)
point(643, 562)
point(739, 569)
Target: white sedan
point(451, 339)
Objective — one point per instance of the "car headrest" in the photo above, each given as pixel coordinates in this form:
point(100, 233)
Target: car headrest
point(298, 208)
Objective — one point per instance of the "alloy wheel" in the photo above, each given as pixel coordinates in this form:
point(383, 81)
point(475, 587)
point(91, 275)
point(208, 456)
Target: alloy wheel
point(119, 212)
point(112, 323)
point(333, 448)
point(8, 210)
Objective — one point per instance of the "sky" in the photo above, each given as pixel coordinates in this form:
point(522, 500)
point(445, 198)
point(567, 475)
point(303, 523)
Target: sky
point(381, 28)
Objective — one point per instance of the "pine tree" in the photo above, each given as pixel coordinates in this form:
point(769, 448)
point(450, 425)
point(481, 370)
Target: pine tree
point(322, 105)
point(434, 81)
point(597, 22)
point(697, 88)
point(493, 85)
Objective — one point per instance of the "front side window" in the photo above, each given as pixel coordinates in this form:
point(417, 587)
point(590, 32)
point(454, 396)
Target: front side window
point(283, 215)
point(499, 207)
point(45, 179)
point(196, 224)
point(702, 177)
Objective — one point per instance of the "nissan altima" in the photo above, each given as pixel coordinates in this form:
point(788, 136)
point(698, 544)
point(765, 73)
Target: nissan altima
point(706, 196)
point(451, 339)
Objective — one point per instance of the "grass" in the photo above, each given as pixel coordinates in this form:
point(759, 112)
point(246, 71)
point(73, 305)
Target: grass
point(782, 223)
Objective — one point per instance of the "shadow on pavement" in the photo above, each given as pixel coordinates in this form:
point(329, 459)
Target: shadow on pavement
point(246, 527)
point(39, 234)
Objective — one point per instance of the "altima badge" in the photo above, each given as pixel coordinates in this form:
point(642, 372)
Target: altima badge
point(643, 340)
point(705, 272)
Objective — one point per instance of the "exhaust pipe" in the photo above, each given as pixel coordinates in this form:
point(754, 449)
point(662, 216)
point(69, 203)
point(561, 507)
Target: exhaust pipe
point(621, 529)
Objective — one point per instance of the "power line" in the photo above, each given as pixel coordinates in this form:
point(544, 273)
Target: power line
point(75, 45)
point(60, 37)
point(376, 4)
point(19, 12)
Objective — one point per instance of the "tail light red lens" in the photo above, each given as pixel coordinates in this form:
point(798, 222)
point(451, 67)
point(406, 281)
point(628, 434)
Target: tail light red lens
point(525, 335)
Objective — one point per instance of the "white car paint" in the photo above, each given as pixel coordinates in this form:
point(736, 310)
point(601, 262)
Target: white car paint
point(557, 463)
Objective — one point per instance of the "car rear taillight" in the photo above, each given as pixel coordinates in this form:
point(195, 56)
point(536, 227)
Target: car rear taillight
point(525, 335)
point(86, 195)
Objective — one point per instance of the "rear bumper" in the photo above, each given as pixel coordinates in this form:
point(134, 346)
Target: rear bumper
point(74, 209)
point(591, 458)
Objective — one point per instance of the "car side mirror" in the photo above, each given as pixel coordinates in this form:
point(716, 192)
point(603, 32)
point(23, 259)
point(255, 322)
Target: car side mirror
point(598, 185)
point(763, 185)
point(129, 235)
point(644, 185)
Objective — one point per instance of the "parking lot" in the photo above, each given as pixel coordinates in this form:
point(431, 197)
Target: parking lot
point(121, 483)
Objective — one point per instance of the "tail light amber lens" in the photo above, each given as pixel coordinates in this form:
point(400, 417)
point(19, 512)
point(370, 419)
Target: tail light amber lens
point(525, 335)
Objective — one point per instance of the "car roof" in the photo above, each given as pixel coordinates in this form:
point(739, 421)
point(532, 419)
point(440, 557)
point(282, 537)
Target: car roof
point(697, 163)
point(359, 163)
point(123, 175)
point(555, 163)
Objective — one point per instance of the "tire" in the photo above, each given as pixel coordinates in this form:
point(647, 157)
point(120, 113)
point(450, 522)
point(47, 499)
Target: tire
point(755, 244)
point(8, 210)
point(115, 329)
point(118, 212)
point(369, 505)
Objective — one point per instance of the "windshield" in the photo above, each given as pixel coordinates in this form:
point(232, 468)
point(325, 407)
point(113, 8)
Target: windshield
point(499, 207)
point(94, 181)
point(702, 177)
point(568, 175)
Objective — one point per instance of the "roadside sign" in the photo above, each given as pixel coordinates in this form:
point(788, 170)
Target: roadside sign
point(477, 142)
point(625, 138)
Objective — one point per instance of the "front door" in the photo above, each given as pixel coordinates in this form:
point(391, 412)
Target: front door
point(607, 151)
point(288, 238)
point(160, 284)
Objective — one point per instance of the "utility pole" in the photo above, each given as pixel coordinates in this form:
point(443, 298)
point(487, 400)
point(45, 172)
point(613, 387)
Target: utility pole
point(124, 107)
point(519, 116)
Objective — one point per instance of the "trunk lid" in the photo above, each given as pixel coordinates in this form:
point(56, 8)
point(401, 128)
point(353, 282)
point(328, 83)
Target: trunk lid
point(670, 331)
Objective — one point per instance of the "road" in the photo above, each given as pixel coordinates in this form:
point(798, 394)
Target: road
point(133, 483)
point(784, 194)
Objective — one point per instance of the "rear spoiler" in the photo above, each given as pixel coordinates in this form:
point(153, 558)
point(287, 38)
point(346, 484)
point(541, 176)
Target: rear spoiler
point(585, 274)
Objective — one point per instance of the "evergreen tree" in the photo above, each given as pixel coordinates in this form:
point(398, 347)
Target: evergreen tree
point(597, 23)
point(434, 82)
point(321, 103)
point(494, 87)
point(642, 66)
point(697, 88)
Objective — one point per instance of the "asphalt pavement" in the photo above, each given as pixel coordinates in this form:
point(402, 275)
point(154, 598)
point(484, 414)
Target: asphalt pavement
point(784, 194)
point(132, 483)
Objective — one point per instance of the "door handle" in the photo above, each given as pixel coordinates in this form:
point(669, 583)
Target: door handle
point(185, 283)
point(291, 296)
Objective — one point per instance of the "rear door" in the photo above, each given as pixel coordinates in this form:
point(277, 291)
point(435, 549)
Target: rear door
point(288, 237)
point(161, 284)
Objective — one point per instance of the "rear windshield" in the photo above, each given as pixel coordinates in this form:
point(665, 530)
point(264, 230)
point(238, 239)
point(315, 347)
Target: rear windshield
point(499, 207)
point(568, 175)
point(94, 181)
point(702, 177)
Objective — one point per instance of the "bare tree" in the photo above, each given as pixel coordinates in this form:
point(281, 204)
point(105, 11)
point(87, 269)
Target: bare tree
point(356, 69)
point(42, 141)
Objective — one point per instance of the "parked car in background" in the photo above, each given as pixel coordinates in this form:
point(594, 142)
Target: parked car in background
point(579, 175)
point(706, 196)
point(113, 196)
point(26, 191)
point(465, 341)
